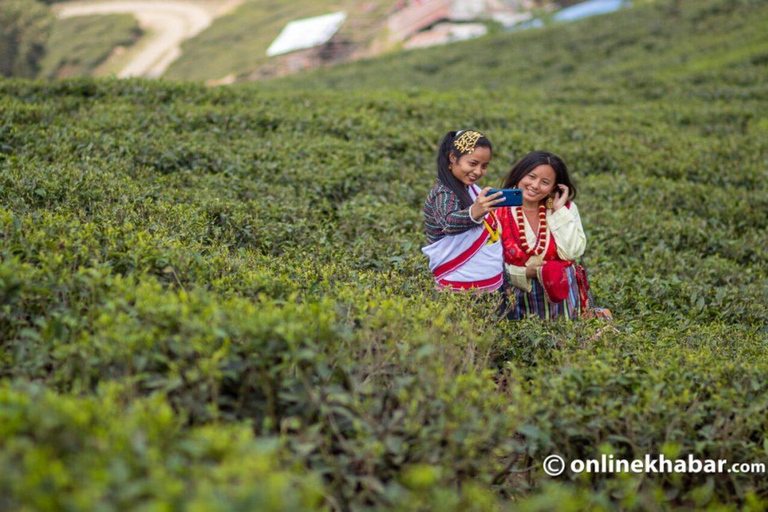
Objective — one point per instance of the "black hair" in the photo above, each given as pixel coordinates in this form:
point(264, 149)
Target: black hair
point(534, 159)
point(444, 174)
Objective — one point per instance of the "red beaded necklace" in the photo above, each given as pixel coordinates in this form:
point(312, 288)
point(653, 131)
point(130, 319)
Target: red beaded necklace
point(541, 240)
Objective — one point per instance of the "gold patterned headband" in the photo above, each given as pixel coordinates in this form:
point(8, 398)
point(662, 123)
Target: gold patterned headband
point(466, 142)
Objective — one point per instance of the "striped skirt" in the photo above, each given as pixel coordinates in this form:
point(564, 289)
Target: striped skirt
point(536, 303)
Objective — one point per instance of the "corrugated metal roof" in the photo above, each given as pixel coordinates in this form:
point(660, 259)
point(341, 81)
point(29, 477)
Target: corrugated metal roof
point(306, 33)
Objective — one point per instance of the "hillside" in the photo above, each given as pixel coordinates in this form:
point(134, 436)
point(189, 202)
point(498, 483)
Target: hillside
point(647, 50)
point(236, 44)
point(79, 45)
point(214, 298)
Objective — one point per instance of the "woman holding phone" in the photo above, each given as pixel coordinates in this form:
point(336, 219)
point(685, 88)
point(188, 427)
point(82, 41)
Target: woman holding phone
point(465, 250)
point(542, 239)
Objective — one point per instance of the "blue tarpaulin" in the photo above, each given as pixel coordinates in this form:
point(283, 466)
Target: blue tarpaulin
point(590, 8)
point(577, 12)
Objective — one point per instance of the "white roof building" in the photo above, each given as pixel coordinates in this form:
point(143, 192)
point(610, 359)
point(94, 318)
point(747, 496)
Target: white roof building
point(306, 33)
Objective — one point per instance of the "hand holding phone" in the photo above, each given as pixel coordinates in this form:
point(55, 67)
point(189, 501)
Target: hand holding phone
point(484, 202)
point(512, 196)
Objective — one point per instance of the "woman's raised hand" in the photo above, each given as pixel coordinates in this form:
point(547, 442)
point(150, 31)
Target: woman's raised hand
point(561, 197)
point(484, 204)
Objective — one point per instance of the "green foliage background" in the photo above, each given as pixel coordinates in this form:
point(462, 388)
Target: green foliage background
point(213, 299)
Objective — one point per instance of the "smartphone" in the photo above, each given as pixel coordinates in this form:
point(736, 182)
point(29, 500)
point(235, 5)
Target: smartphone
point(512, 196)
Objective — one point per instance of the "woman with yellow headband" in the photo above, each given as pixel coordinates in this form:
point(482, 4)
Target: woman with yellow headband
point(465, 250)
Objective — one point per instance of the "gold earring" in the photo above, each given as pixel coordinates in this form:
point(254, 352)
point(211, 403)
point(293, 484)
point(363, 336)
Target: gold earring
point(550, 203)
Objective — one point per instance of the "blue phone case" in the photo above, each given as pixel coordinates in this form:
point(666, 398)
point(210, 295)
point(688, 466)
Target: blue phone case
point(512, 196)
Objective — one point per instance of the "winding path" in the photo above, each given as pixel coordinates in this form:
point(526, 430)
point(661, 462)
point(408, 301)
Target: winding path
point(166, 23)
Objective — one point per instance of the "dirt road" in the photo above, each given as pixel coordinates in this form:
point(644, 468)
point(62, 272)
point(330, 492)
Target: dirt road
point(166, 23)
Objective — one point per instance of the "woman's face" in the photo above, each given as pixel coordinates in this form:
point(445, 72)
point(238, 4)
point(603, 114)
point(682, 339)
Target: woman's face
point(538, 183)
point(470, 168)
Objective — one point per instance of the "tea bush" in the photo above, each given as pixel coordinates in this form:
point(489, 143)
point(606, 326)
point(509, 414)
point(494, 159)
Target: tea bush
point(106, 453)
point(212, 296)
